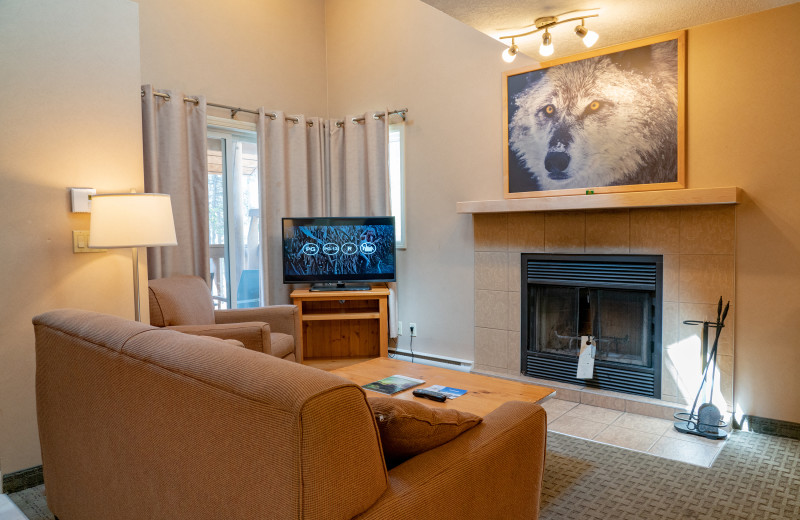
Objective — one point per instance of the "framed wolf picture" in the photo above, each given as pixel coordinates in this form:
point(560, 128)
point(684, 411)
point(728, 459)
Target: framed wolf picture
point(606, 121)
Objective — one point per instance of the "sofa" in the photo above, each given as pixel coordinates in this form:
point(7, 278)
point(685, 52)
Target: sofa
point(141, 422)
point(183, 303)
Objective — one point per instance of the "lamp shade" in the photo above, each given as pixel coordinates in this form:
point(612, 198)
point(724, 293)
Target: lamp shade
point(131, 220)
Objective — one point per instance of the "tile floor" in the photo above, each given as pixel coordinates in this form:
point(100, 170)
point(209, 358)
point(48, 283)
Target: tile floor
point(632, 431)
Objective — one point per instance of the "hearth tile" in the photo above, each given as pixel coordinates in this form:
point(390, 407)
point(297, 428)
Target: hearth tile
point(708, 230)
point(491, 309)
point(643, 423)
point(671, 278)
point(704, 278)
point(568, 394)
point(684, 451)
point(595, 413)
point(670, 324)
point(627, 438)
point(707, 312)
point(655, 231)
point(565, 232)
point(603, 401)
point(526, 232)
point(490, 347)
point(514, 353)
point(515, 272)
point(555, 408)
point(608, 231)
point(672, 433)
point(490, 270)
point(514, 311)
point(490, 231)
point(660, 411)
point(576, 426)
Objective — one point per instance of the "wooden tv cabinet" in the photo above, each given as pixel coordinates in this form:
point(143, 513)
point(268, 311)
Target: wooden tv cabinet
point(342, 324)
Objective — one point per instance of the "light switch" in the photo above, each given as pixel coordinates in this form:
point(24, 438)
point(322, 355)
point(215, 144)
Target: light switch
point(80, 242)
point(80, 199)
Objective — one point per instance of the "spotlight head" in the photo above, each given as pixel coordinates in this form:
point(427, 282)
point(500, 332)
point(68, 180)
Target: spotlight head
point(510, 54)
point(589, 37)
point(546, 48)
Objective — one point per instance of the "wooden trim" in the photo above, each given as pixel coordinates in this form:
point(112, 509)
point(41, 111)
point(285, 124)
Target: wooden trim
point(679, 183)
point(638, 199)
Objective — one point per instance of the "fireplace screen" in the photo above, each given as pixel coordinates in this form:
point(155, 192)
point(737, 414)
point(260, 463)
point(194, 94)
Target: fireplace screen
point(620, 322)
point(615, 299)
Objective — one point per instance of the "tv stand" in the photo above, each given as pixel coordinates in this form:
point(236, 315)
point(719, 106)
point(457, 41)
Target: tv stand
point(340, 286)
point(339, 323)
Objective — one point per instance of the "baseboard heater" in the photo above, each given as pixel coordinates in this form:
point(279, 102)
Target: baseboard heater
point(432, 359)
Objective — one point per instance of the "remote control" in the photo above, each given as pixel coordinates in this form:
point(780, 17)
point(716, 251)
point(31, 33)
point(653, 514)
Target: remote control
point(430, 394)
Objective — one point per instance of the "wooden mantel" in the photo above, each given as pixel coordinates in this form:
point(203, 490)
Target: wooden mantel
point(631, 199)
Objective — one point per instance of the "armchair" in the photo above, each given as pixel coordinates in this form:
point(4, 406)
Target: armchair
point(183, 303)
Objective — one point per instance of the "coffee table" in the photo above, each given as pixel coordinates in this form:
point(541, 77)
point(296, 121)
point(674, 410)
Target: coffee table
point(484, 393)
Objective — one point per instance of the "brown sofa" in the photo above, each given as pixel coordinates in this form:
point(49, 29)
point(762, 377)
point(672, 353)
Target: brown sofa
point(183, 303)
point(138, 422)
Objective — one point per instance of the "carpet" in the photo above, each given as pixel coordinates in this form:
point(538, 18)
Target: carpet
point(754, 477)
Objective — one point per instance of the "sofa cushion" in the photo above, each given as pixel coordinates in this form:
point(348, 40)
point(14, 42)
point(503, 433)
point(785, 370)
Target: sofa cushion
point(408, 428)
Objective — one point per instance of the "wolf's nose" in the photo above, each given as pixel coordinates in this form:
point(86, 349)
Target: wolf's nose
point(556, 162)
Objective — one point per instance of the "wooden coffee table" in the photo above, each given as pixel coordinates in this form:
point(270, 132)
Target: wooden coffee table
point(484, 393)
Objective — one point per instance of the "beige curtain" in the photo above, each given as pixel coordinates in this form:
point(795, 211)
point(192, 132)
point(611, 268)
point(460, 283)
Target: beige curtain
point(290, 167)
point(176, 162)
point(357, 172)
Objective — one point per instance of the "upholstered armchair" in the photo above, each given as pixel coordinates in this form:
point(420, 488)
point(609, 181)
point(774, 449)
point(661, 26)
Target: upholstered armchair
point(183, 303)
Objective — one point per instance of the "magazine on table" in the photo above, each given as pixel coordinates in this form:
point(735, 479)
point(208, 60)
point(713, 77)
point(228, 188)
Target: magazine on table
point(450, 392)
point(393, 384)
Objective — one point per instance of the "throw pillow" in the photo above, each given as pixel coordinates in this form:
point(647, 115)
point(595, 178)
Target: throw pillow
point(408, 428)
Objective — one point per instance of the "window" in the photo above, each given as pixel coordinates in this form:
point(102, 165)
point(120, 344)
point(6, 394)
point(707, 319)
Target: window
point(397, 180)
point(234, 218)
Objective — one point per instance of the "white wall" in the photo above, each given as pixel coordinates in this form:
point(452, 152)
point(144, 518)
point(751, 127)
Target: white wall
point(69, 116)
point(404, 53)
point(242, 53)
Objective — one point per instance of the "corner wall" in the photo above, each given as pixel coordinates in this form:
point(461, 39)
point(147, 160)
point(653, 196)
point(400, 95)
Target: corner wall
point(742, 125)
point(71, 116)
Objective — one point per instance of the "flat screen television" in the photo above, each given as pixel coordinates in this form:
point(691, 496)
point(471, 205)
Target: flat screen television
point(338, 253)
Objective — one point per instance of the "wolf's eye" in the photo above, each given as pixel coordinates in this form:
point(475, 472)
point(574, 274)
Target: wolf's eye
point(594, 105)
point(549, 110)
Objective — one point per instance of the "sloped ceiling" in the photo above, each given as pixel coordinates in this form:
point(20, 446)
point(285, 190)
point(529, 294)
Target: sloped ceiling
point(620, 21)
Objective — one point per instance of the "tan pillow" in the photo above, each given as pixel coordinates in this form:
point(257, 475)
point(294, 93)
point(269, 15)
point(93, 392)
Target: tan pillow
point(408, 428)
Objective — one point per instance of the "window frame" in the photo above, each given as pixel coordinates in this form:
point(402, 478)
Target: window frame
point(400, 129)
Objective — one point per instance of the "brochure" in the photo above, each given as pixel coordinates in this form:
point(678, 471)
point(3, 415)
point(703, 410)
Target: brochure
point(450, 392)
point(393, 384)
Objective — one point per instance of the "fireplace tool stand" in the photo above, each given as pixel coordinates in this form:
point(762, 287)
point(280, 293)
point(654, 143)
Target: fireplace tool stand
point(708, 419)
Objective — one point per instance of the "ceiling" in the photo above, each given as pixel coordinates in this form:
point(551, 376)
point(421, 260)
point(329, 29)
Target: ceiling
point(620, 21)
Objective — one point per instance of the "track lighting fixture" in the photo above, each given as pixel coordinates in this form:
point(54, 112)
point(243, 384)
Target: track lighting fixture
point(544, 24)
point(510, 54)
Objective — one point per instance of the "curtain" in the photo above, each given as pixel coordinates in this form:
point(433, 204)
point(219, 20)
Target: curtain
point(176, 163)
point(358, 176)
point(292, 184)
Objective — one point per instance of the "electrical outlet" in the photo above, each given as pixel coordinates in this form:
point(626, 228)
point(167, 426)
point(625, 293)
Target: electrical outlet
point(412, 327)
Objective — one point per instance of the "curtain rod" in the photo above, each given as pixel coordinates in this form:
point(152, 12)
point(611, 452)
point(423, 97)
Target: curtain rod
point(235, 110)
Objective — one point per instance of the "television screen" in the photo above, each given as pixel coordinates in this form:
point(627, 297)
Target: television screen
point(337, 250)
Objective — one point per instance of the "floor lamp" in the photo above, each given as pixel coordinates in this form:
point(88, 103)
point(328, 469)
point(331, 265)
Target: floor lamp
point(132, 220)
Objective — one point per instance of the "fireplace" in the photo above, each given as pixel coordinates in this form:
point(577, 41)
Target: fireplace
point(615, 300)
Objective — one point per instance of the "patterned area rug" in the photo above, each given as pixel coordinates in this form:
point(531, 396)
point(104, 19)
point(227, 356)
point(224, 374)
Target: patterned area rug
point(755, 477)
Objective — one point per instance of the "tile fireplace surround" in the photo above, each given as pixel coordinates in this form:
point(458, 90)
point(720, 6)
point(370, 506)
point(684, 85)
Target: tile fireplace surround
point(698, 247)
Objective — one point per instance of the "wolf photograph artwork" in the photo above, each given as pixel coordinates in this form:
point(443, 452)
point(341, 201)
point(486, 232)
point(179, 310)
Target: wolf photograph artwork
point(611, 122)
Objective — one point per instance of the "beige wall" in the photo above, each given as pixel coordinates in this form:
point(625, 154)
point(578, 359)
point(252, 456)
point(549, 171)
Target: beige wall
point(241, 53)
point(69, 116)
point(403, 53)
point(742, 130)
point(743, 123)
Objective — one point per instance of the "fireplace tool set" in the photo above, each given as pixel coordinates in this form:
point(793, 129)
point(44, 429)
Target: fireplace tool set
point(707, 420)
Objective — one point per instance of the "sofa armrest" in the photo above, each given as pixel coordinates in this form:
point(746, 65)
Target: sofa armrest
point(281, 318)
point(253, 335)
point(493, 470)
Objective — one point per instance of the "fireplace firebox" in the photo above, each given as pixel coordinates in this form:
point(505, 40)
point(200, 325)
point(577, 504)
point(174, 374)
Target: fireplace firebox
point(615, 300)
